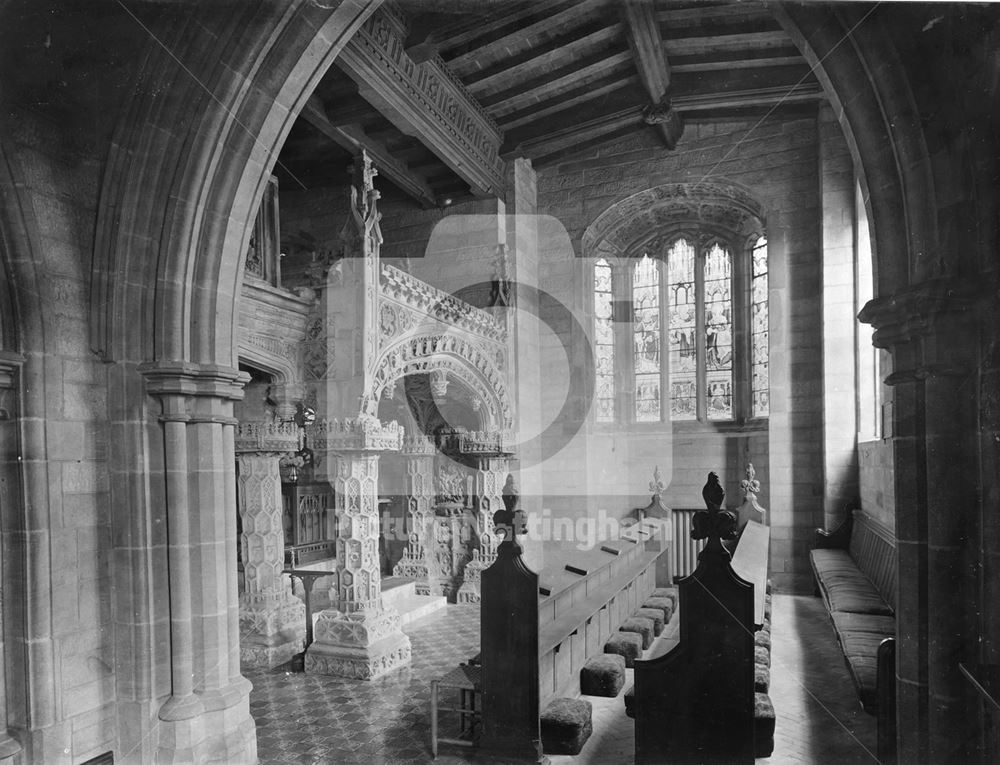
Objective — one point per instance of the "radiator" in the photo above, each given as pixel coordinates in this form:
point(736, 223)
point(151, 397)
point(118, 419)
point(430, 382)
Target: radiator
point(685, 550)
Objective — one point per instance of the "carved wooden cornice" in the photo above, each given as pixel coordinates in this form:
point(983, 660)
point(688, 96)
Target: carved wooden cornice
point(425, 101)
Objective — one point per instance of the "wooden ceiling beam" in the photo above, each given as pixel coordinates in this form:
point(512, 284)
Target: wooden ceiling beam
point(701, 17)
point(354, 139)
point(587, 92)
point(682, 65)
point(521, 39)
point(546, 58)
point(743, 41)
point(587, 125)
point(549, 158)
point(643, 32)
point(550, 84)
point(423, 44)
point(801, 93)
point(578, 132)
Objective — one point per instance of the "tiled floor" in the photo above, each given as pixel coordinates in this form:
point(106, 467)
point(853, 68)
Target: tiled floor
point(314, 719)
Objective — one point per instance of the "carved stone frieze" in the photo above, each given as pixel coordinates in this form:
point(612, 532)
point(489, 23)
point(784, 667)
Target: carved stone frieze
point(359, 433)
point(277, 437)
point(400, 287)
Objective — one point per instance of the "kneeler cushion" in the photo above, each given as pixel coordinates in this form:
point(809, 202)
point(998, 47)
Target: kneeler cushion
point(761, 678)
point(653, 614)
point(566, 725)
point(627, 644)
point(763, 725)
point(642, 627)
point(603, 675)
point(670, 593)
point(664, 604)
point(630, 701)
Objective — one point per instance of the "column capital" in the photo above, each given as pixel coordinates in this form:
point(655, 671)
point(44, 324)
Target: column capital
point(916, 311)
point(185, 378)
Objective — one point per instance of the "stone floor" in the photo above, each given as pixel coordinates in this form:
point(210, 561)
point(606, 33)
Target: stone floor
point(314, 719)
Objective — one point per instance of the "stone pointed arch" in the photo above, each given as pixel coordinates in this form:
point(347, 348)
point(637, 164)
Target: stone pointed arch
point(181, 189)
point(455, 354)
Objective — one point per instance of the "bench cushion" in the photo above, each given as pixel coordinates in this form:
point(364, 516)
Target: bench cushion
point(860, 636)
point(843, 585)
point(603, 675)
point(566, 725)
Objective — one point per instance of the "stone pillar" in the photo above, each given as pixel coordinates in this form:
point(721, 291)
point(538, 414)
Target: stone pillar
point(931, 331)
point(207, 714)
point(419, 453)
point(272, 620)
point(491, 472)
point(360, 637)
point(9, 396)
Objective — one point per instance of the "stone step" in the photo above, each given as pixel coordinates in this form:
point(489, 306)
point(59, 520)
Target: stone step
point(396, 588)
point(419, 606)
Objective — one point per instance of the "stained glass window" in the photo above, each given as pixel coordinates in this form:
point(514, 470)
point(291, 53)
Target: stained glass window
point(718, 271)
point(682, 323)
point(604, 342)
point(646, 339)
point(759, 391)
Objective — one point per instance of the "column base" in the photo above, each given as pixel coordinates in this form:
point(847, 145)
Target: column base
point(272, 636)
point(361, 645)
point(268, 652)
point(223, 734)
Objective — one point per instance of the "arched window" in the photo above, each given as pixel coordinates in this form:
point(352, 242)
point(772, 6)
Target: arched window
point(699, 303)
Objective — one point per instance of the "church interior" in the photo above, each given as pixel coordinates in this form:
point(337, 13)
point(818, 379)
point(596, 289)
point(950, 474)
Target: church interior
point(542, 381)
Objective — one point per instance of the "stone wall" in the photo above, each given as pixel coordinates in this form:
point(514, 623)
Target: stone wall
point(777, 160)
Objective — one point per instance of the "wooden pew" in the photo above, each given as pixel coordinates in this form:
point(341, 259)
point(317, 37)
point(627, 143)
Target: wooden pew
point(696, 703)
point(535, 637)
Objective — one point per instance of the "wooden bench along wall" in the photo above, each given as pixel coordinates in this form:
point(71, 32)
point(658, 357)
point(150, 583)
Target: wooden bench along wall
point(538, 632)
point(855, 570)
point(696, 703)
